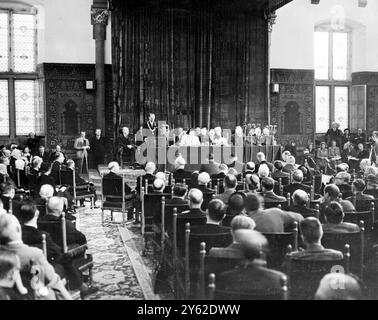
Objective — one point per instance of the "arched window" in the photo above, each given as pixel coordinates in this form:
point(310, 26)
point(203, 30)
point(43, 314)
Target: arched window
point(21, 110)
point(332, 60)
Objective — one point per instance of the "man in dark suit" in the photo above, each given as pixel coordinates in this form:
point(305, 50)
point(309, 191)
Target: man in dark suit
point(194, 215)
point(36, 166)
point(180, 174)
point(32, 143)
point(114, 175)
point(230, 184)
point(215, 213)
point(267, 185)
point(290, 166)
point(43, 154)
point(312, 233)
point(179, 194)
point(7, 193)
point(28, 216)
point(271, 220)
point(358, 188)
point(251, 276)
point(150, 126)
point(212, 167)
point(56, 167)
point(54, 213)
point(250, 168)
point(300, 201)
point(297, 184)
point(44, 178)
point(334, 216)
point(125, 147)
point(98, 148)
point(149, 176)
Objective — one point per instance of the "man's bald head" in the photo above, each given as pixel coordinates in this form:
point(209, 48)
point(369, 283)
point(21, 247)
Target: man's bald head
point(300, 197)
point(10, 229)
point(195, 197)
point(55, 206)
point(339, 286)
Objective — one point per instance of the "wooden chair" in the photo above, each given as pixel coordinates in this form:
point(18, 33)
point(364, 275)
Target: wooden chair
point(168, 211)
point(367, 216)
point(356, 240)
point(278, 243)
point(113, 198)
point(305, 275)
point(275, 204)
point(216, 265)
point(67, 177)
point(81, 259)
point(215, 294)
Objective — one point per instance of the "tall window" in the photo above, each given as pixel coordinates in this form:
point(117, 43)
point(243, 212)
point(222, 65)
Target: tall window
point(20, 109)
point(332, 77)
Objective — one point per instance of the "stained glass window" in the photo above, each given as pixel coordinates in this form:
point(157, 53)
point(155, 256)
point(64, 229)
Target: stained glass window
point(321, 45)
point(341, 106)
point(24, 42)
point(25, 102)
point(4, 108)
point(340, 55)
point(322, 109)
point(4, 41)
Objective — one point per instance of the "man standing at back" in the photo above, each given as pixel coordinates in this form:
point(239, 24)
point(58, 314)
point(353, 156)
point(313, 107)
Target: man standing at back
point(98, 149)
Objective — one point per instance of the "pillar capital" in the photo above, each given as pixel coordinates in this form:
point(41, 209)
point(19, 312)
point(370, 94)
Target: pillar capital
point(99, 16)
point(270, 17)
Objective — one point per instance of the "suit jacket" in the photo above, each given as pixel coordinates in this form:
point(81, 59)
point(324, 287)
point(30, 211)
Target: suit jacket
point(150, 126)
point(73, 235)
point(211, 168)
point(303, 210)
point(291, 188)
point(45, 156)
point(249, 279)
point(55, 171)
point(317, 253)
point(33, 237)
point(148, 176)
point(346, 190)
point(270, 196)
point(274, 220)
point(177, 201)
point(194, 216)
point(98, 147)
point(233, 251)
point(360, 197)
point(225, 196)
point(344, 227)
point(113, 176)
point(78, 145)
point(181, 174)
point(280, 174)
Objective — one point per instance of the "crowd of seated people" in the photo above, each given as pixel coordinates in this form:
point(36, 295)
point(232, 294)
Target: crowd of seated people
point(259, 207)
point(33, 204)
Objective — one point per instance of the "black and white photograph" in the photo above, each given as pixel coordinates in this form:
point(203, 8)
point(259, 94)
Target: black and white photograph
point(162, 152)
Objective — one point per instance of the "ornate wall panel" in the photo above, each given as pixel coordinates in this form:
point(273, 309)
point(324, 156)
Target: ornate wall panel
point(293, 107)
point(69, 106)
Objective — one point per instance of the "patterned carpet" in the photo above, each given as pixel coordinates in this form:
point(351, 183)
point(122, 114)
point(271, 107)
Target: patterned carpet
point(113, 271)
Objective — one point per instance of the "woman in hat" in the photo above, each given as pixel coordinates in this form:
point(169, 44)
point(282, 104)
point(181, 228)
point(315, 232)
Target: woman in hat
point(322, 157)
point(334, 134)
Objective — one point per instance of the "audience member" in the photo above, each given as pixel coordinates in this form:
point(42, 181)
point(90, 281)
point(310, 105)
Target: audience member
point(269, 220)
point(311, 234)
point(297, 184)
point(267, 185)
point(230, 183)
point(334, 220)
point(300, 201)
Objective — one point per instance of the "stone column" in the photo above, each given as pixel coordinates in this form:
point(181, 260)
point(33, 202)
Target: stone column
point(99, 20)
point(270, 18)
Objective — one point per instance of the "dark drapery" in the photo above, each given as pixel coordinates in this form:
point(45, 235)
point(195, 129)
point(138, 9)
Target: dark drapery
point(191, 65)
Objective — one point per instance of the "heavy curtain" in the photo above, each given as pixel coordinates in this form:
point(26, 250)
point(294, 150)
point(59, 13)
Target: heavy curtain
point(190, 65)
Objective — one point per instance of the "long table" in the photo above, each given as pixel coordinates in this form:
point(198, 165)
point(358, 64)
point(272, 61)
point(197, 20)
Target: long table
point(195, 156)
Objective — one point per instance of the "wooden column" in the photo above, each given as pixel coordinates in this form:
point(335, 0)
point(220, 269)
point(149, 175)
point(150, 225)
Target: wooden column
point(99, 18)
